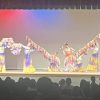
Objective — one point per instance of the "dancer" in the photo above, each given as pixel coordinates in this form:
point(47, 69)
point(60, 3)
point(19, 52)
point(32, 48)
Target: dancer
point(28, 67)
point(79, 55)
point(79, 64)
point(69, 61)
point(54, 63)
point(3, 44)
point(2, 57)
point(94, 61)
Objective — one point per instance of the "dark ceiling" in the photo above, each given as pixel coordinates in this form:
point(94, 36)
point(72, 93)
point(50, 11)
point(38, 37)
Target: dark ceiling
point(49, 4)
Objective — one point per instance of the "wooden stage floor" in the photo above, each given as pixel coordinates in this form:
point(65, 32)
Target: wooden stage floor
point(48, 74)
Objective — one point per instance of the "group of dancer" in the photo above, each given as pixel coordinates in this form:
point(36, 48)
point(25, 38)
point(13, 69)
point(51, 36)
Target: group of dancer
point(72, 61)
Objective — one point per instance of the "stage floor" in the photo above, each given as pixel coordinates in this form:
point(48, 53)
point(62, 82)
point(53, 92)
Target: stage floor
point(48, 74)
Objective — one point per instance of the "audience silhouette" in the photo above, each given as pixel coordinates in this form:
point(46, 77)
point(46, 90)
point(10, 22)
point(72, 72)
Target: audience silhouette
point(45, 89)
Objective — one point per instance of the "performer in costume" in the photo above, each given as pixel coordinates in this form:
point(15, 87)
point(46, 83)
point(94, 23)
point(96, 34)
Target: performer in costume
point(94, 61)
point(2, 58)
point(3, 44)
point(70, 59)
point(28, 67)
point(54, 63)
point(79, 64)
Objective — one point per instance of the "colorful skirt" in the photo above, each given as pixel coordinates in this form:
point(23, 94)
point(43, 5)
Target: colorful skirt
point(29, 69)
point(93, 63)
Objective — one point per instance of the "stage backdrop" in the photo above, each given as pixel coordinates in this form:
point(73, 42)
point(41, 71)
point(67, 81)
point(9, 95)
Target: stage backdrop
point(50, 29)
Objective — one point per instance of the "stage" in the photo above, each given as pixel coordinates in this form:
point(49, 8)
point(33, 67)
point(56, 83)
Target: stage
point(20, 73)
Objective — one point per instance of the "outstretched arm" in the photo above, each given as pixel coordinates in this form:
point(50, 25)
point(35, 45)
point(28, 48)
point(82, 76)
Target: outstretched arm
point(25, 47)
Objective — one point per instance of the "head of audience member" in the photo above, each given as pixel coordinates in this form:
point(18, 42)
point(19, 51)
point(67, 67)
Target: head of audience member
point(68, 81)
point(83, 84)
point(61, 82)
point(44, 84)
point(93, 79)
